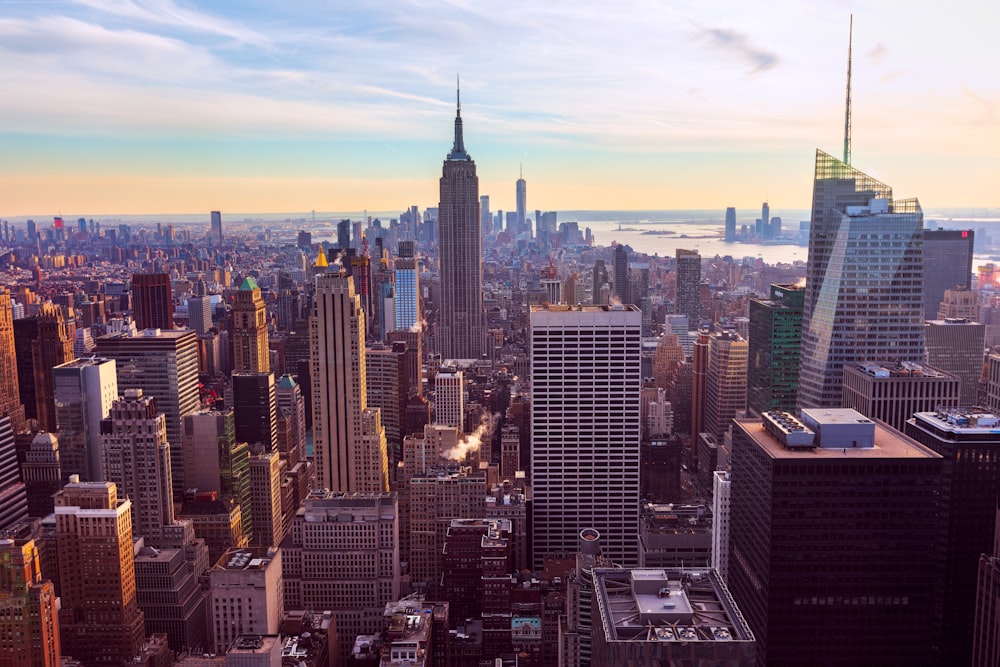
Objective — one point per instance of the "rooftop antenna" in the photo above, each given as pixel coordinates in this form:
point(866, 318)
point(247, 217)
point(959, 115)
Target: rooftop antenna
point(458, 94)
point(847, 112)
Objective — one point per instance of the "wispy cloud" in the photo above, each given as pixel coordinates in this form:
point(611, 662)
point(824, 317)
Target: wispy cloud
point(738, 44)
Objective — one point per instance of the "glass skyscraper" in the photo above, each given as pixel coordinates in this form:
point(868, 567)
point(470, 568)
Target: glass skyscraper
point(864, 289)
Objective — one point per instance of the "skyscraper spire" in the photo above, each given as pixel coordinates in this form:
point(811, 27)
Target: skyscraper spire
point(847, 113)
point(458, 148)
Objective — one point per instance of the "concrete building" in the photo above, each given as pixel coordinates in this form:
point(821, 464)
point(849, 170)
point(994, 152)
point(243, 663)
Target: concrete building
point(247, 595)
point(947, 265)
point(29, 621)
point(164, 364)
point(675, 536)
point(10, 397)
point(585, 427)
point(40, 471)
point(827, 555)
point(13, 493)
point(265, 499)
point(250, 350)
point(956, 346)
point(725, 382)
point(668, 617)
point(152, 301)
point(100, 619)
point(84, 390)
point(343, 555)
point(52, 346)
point(449, 398)
point(894, 392)
point(721, 484)
point(170, 596)
point(688, 287)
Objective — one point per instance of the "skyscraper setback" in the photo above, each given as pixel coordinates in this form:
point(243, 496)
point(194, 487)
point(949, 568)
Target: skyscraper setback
point(461, 329)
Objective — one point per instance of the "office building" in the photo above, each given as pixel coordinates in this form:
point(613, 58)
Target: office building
point(200, 313)
point(216, 236)
point(864, 295)
point(29, 622)
point(10, 397)
point(675, 536)
point(774, 349)
point(956, 346)
point(52, 346)
point(986, 637)
point(388, 390)
point(623, 290)
point(152, 301)
point(169, 594)
point(216, 521)
point(688, 288)
point(893, 393)
point(164, 364)
point(343, 555)
point(100, 619)
point(40, 471)
point(585, 427)
point(699, 384)
point(840, 572)
point(947, 265)
point(969, 442)
point(25, 334)
point(406, 293)
point(247, 595)
point(599, 282)
point(449, 398)
point(726, 381)
point(461, 327)
point(730, 235)
point(343, 460)
point(291, 402)
point(521, 192)
point(250, 352)
point(136, 457)
point(255, 410)
point(13, 493)
point(84, 390)
point(668, 616)
point(485, 217)
point(959, 304)
point(265, 499)
point(721, 484)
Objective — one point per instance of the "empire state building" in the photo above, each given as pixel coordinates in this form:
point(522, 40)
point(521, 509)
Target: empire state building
point(461, 330)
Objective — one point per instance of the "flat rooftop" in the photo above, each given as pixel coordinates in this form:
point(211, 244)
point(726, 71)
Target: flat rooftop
point(584, 308)
point(974, 420)
point(889, 444)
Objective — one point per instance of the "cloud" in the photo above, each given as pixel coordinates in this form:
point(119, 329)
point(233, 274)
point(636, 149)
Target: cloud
point(877, 54)
point(739, 45)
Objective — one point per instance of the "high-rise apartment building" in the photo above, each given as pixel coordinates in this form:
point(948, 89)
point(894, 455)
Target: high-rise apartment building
point(969, 442)
point(344, 460)
point(461, 328)
point(840, 573)
point(84, 391)
point(164, 364)
point(689, 287)
point(947, 265)
point(29, 621)
point(585, 427)
point(52, 346)
point(100, 620)
point(864, 289)
point(726, 381)
point(10, 398)
point(152, 300)
point(216, 236)
point(388, 390)
point(343, 555)
point(956, 346)
point(136, 457)
point(775, 348)
point(250, 352)
point(406, 299)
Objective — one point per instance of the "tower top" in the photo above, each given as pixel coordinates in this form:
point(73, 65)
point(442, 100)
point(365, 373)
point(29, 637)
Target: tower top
point(847, 111)
point(458, 147)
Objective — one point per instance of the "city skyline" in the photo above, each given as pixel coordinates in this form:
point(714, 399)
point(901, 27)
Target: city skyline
point(256, 108)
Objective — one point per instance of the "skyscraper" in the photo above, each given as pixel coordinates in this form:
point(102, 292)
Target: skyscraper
point(585, 427)
point(461, 329)
point(956, 345)
point(689, 287)
point(522, 206)
point(100, 619)
point(13, 493)
point(84, 392)
point(485, 217)
point(947, 265)
point(250, 352)
point(29, 624)
point(765, 221)
point(136, 457)
point(726, 382)
point(407, 291)
point(52, 346)
point(864, 293)
point(216, 227)
point(152, 301)
point(10, 399)
point(339, 389)
point(255, 409)
point(164, 364)
point(622, 288)
point(775, 348)
point(730, 225)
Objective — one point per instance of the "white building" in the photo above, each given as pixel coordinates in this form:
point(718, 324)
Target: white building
point(720, 522)
point(586, 427)
point(449, 399)
point(247, 595)
point(84, 390)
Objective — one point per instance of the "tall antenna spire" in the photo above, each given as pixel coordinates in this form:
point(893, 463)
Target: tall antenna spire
point(847, 112)
point(458, 147)
point(458, 95)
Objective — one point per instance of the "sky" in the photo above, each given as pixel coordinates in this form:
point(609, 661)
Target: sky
point(173, 106)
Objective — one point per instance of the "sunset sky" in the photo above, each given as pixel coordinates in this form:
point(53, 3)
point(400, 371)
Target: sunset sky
point(169, 106)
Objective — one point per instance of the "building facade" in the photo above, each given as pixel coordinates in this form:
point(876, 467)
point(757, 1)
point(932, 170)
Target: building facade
point(775, 349)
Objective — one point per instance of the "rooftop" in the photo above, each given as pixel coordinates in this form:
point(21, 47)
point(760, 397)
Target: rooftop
point(908, 369)
point(971, 420)
point(888, 444)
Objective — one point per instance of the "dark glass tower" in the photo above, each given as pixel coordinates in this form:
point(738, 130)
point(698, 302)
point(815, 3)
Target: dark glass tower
point(775, 349)
point(689, 287)
point(947, 265)
point(152, 301)
point(864, 289)
point(461, 330)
